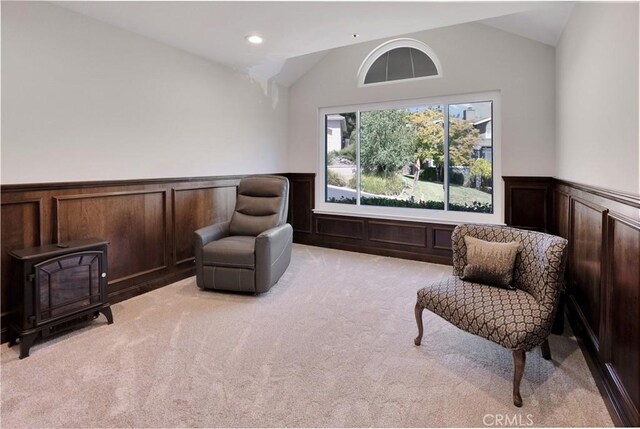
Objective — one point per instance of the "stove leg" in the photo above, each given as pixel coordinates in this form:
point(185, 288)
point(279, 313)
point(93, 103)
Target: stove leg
point(107, 313)
point(12, 338)
point(25, 344)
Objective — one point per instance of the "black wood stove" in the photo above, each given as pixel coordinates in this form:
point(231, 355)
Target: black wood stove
point(57, 287)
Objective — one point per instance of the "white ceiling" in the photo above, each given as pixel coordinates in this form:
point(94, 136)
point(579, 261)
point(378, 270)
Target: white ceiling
point(298, 34)
point(544, 25)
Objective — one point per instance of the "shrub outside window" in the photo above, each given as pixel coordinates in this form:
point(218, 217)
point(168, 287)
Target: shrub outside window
point(426, 157)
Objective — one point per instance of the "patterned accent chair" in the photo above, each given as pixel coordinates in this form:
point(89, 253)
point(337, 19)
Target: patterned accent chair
point(519, 319)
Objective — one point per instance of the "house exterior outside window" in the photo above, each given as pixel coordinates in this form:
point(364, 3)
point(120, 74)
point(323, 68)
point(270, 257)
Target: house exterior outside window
point(426, 159)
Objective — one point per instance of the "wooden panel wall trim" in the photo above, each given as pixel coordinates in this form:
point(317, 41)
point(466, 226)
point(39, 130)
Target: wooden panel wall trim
point(204, 208)
point(603, 286)
point(603, 282)
point(146, 224)
point(626, 198)
point(622, 335)
point(528, 202)
point(421, 241)
point(38, 203)
point(411, 240)
point(561, 202)
point(25, 187)
point(441, 237)
point(587, 254)
point(301, 202)
point(126, 222)
point(31, 215)
point(397, 233)
point(22, 226)
point(336, 226)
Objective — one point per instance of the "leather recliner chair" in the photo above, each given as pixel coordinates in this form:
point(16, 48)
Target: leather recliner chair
point(250, 252)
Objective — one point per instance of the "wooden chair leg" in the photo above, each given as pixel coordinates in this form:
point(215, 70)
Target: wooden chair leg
point(546, 351)
point(519, 359)
point(418, 312)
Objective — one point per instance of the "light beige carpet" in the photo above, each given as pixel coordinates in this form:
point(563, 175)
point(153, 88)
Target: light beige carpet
point(330, 345)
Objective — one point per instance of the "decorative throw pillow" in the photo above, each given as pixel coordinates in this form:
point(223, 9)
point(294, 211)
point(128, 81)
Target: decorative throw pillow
point(489, 262)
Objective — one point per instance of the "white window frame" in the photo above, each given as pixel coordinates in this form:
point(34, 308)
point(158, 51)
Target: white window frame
point(415, 214)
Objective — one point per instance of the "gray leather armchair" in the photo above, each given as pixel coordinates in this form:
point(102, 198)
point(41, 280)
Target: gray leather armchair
point(250, 252)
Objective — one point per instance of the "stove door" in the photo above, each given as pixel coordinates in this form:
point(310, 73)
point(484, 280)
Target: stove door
point(68, 284)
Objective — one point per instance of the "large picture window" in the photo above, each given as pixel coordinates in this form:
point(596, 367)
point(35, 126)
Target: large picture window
point(430, 156)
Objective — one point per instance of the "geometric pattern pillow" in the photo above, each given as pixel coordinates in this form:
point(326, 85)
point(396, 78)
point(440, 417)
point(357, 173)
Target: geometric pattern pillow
point(490, 263)
point(539, 266)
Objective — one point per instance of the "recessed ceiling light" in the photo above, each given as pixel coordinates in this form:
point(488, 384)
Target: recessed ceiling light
point(255, 39)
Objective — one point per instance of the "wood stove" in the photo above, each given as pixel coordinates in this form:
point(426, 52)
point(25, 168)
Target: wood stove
point(57, 287)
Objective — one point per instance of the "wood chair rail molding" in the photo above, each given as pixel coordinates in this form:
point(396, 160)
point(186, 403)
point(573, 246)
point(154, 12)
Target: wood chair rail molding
point(602, 275)
point(149, 224)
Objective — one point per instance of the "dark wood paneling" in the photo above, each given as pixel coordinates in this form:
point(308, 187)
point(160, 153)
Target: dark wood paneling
point(421, 241)
point(603, 282)
point(528, 202)
point(398, 239)
point(127, 220)
point(530, 206)
point(561, 214)
point(585, 270)
point(397, 233)
point(21, 227)
point(58, 186)
point(301, 202)
point(337, 226)
point(622, 355)
point(194, 208)
point(601, 225)
point(147, 222)
point(442, 238)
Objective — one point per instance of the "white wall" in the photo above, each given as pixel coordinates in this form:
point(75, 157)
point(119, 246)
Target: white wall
point(83, 100)
point(474, 58)
point(597, 96)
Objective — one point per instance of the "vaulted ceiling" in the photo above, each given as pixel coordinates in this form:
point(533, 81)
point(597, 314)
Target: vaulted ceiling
point(297, 34)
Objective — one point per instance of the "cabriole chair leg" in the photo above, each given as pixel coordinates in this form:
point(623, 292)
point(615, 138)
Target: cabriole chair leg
point(519, 359)
point(418, 313)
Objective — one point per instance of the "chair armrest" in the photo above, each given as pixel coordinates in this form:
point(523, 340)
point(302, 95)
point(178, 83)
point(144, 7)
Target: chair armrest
point(273, 252)
point(202, 237)
point(271, 243)
point(211, 233)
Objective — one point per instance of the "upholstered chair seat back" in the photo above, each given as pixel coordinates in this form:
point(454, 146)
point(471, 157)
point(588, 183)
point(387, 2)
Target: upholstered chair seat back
point(519, 319)
point(261, 204)
point(539, 266)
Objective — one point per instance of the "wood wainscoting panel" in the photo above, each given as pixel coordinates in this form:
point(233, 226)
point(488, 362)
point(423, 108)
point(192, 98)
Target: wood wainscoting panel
point(603, 285)
point(339, 226)
point(442, 237)
point(530, 209)
point(194, 208)
point(21, 228)
point(301, 204)
point(133, 222)
point(408, 234)
point(561, 205)
point(586, 273)
point(528, 202)
point(623, 313)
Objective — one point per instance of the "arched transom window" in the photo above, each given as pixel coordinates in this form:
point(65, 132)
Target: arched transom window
point(399, 59)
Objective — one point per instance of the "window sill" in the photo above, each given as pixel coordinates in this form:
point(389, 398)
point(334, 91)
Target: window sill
point(452, 218)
